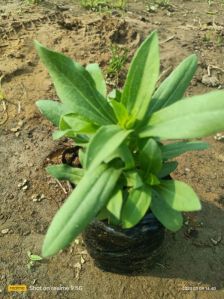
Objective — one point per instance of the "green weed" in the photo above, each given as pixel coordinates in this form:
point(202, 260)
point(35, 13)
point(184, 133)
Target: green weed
point(98, 5)
point(117, 61)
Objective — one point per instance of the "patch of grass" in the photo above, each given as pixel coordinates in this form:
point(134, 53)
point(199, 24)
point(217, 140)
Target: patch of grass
point(118, 59)
point(98, 5)
point(154, 5)
point(34, 1)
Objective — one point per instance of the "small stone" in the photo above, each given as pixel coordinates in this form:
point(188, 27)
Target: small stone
point(187, 170)
point(82, 260)
point(23, 184)
point(20, 123)
point(219, 137)
point(17, 134)
point(77, 241)
point(15, 129)
point(5, 231)
point(78, 266)
point(37, 197)
point(211, 81)
point(24, 188)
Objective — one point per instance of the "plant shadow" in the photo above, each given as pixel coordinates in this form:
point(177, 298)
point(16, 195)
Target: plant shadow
point(196, 253)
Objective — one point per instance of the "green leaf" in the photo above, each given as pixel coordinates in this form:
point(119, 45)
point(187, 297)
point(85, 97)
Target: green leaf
point(59, 134)
point(104, 143)
point(152, 180)
point(52, 110)
point(103, 214)
point(170, 218)
point(150, 157)
point(123, 152)
point(65, 172)
point(136, 206)
point(120, 112)
point(133, 179)
point(174, 87)
point(77, 123)
point(173, 150)
point(142, 77)
point(115, 204)
point(34, 257)
point(84, 203)
point(115, 94)
point(97, 75)
point(81, 156)
point(179, 196)
point(167, 168)
point(81, 140)
point(75, 87)
point(194, 117)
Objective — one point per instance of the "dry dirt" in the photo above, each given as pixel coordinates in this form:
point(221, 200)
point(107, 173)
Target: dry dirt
point(193, 257)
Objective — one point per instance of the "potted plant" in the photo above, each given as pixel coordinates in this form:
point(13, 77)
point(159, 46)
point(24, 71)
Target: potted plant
point(124, 177)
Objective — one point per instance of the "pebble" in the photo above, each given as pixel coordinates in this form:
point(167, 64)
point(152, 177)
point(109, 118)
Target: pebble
point(5, 231)
point(78, 266)
point(211, 81)
point(219, 137)
point(15, 129)
point(37, 197)
point(23, 185)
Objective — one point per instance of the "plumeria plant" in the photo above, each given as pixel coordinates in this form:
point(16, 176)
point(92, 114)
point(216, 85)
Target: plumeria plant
point(125, 162)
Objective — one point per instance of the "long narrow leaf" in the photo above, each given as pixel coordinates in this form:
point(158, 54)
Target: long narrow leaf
point(75, 87)
point(52, 110)
point(142, 77)
point(194, 117)
point(104, 143)
point(173, 88)
point(115, 203)
point(77, 123)
point(179, 196)
point(123, 152)
point(150, 157)
point(97, 75)
point(170, 218)
point(136, 205)
point(65, 172)
point(167, 168)
point(84, 203)
point(173, 150)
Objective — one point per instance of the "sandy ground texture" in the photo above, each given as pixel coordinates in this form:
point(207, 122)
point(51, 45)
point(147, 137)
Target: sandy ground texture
point(193, 262)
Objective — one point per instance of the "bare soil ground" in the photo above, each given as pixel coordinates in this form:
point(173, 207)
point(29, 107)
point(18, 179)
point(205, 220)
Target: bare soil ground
point(193, 262)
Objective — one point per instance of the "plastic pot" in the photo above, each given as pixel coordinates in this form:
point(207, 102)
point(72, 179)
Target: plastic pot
point(125, 251)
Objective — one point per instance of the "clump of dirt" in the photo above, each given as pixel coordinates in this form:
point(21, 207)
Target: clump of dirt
point(193, 258)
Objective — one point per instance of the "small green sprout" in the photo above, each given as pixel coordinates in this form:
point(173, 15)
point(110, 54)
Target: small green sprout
point(33, 258)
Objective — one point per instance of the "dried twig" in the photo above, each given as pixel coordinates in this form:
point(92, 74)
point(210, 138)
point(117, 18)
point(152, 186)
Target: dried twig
point(60, 185)
point(167, 40)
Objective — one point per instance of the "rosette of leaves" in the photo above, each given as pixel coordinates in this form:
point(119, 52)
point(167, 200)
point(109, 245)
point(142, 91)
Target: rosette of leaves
point(126, 139)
